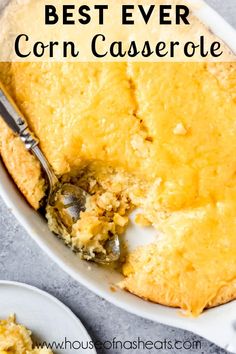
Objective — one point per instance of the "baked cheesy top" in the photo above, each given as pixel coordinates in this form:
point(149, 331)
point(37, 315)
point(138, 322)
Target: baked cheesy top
point(160, 136)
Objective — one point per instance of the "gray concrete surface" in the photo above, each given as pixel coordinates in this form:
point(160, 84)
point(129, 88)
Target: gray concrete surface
point(22, 260)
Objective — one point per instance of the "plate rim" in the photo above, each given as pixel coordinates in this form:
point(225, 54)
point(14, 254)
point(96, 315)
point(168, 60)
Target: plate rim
point(51, 298)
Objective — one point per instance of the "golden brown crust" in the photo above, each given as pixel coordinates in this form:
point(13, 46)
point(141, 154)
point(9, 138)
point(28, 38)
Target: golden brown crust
point(22, 166)
point(226, 294)
point(142, 288)
point(158, 287)
point(184, 288)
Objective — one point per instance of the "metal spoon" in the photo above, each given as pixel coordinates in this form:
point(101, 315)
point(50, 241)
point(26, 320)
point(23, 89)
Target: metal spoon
point(65, 200)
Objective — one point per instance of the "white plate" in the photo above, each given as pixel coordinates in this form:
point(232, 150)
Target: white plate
point(48, 319)
point(217, 325)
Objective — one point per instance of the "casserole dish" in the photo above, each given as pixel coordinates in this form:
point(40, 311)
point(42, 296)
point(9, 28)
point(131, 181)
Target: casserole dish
point(100, 280)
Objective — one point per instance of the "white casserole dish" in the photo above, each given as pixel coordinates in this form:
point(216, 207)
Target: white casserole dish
point(218, 324)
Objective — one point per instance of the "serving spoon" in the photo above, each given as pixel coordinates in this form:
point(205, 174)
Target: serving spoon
point(65, 200)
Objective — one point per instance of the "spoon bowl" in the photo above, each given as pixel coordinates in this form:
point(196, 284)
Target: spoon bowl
point(65, 201)
point(65, 204)
point(68, 201)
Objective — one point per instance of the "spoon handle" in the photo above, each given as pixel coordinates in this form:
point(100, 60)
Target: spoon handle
point(15, 120)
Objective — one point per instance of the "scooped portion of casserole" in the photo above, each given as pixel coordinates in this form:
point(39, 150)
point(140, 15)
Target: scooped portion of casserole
point(16, 339)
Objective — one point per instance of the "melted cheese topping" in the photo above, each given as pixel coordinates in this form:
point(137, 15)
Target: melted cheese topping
point(172, 127)
point(192, 261)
